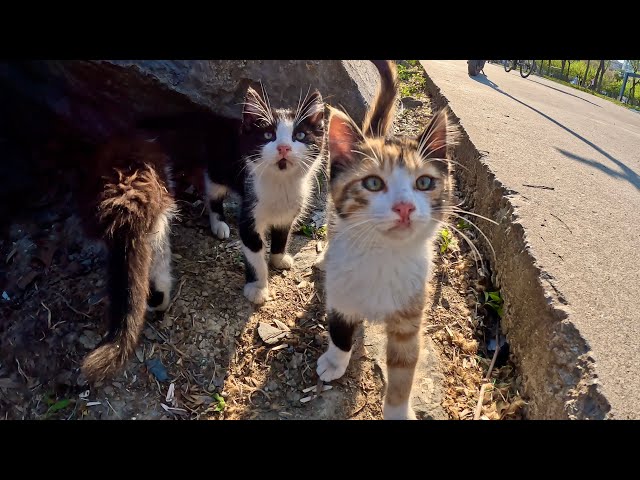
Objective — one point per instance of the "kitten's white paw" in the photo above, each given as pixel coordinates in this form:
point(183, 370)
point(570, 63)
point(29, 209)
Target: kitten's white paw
point(398, 412)
point(333, 363)
point(219, 228)
point(255, 293)
point(281, 261)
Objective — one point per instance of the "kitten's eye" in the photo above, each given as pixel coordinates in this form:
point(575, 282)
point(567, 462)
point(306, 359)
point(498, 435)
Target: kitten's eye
point(425, 183)
point(373, 183)
point(268, 135)
point(300, 135)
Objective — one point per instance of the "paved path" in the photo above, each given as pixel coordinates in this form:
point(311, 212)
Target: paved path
point(584, 228)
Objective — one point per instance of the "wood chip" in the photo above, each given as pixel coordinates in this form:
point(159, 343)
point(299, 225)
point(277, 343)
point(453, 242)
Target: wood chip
point(270, 334)
point(324, 388)
point(171, 394)
point(281, 325)
point(93, 404)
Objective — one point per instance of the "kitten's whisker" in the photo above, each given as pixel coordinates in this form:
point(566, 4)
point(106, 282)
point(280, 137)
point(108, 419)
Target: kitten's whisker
point(479, 230)
point(351, 227)
point(445, 160)
point(474, 249)
point(452, 209)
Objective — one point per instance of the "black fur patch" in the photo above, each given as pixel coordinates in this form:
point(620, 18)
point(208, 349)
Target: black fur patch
point(341, 331)
point(249, 272)
point(250, 238)
point(155, 298)
point(279, 238)
point(216, 207)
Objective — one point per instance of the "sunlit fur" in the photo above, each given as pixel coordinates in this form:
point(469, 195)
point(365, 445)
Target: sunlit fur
point(275, 188)
point(376, 269)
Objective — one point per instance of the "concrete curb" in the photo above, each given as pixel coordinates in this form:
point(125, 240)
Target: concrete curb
point(555, 360)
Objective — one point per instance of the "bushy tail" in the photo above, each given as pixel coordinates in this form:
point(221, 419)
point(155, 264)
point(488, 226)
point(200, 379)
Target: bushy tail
point(379, 118)
point(131, 202)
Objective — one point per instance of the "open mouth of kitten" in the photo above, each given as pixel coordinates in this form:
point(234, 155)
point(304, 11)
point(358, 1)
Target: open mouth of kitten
point(282, 164)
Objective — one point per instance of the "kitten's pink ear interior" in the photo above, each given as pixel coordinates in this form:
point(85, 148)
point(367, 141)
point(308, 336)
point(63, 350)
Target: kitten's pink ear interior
point(253, 107)
point(433, 140)
point(316, 99)
point(343, 139)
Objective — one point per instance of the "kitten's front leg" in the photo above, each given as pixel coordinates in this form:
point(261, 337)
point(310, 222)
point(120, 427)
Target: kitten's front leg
point(334, 362)
point(216, 194)
point(256, 288)
point(160, 272)
point(403, 350)
point(279, 238)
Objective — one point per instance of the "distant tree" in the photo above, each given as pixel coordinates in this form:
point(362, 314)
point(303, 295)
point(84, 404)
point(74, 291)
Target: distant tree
point(635, 66)
point(584, 79)
point(605, 64)
point(597, 77)
point(562, 69)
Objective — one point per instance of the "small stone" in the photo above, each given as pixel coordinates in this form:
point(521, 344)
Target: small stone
point(176, 256)
point(411, 103)
point(108, 390)
point(89, 339)
point(204, 293)
point(100, 282)
point(269, 334)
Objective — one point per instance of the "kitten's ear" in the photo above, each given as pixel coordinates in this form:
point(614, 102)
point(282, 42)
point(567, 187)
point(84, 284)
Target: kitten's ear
point(254, 109)
point(313, 106)
point(344, 135)
point(433, 141)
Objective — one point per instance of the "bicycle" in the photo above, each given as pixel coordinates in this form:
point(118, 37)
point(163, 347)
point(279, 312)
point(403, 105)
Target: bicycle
point(526, 66)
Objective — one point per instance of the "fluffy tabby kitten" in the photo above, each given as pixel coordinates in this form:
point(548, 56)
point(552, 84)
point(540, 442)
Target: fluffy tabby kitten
point(385, 194)
point(269, 158)
point(128, 204)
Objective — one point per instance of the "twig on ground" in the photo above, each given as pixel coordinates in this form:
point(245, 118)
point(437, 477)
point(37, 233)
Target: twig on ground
point(166, 340)
point(478, 411)
point(48, 314)
point(69, 305)
point(175, 297)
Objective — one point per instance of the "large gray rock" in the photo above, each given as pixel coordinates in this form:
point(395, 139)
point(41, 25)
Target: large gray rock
point(97, 97)
point(52, 113)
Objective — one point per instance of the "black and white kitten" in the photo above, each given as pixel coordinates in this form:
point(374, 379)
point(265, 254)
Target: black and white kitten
point(279, 153)
point(269, 158)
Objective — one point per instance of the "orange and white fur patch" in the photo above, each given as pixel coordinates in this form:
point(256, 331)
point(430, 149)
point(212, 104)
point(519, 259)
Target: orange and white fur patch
point(387, 195)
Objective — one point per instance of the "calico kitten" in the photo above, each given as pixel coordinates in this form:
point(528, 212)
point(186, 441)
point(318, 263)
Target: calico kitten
point(386, 194)
point(127, 203)
point(269, 158)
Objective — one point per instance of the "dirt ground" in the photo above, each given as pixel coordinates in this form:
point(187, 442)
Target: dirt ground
point(206, 357)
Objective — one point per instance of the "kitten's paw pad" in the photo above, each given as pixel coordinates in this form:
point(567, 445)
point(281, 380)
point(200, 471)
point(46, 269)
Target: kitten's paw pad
point(255, 293)
point(219, 228)
point(281, 261)
point(332, 364)
point(400, 412)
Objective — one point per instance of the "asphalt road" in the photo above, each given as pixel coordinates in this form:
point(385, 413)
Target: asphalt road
point(574, 161)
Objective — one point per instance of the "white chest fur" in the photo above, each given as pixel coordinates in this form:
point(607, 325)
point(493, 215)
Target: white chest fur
point(376, 282)
point(281, 197)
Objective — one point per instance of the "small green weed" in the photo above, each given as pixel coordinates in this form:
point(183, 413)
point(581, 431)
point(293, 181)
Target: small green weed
point(494, 300)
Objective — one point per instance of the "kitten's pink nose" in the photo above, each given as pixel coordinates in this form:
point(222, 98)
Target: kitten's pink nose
point(404, 209)
point(284, 150)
